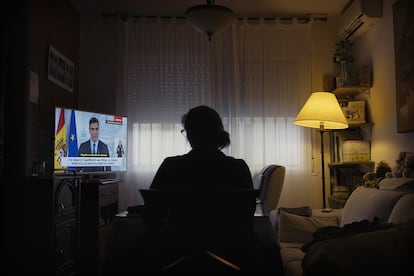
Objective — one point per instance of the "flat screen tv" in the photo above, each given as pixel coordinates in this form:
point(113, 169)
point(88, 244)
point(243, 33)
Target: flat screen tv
point(89, 142)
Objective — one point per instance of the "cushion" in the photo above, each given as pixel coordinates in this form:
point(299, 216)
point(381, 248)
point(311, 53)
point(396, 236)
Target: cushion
point(291, 254)
point(403, 210)
point(293, 268)
point(295, 228)
point(368, 203)
point(404, 184)
point(331, 213)
point(301, 211)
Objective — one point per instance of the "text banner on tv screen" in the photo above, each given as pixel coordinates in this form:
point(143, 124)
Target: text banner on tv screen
point(89, 141)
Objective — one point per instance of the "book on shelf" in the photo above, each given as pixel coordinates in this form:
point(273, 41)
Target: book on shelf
point(356, 151)
point(338, 138)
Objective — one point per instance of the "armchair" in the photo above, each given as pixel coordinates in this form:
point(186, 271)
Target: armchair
point(269, 181)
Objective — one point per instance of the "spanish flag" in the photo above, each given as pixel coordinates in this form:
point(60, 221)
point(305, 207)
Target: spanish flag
point(60, 140)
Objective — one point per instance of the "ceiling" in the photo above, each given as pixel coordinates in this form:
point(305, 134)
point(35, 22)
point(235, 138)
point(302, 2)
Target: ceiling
point(242, 8)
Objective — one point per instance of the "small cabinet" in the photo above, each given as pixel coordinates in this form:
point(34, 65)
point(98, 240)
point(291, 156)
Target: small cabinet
point(54, 224)
point(108, 201)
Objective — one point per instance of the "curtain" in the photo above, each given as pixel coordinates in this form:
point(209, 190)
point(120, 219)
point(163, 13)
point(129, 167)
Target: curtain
point(256, 75)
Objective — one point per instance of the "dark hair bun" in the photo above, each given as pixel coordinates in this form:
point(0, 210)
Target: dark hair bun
point(205, 128)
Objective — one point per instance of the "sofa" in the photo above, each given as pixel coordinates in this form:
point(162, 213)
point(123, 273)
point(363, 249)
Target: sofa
point(381, 240)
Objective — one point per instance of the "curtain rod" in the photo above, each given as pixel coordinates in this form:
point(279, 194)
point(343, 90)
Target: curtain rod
point(305, 18)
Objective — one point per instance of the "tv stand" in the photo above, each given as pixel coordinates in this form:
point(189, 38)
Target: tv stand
point(107, 181)
point(92, 177)
point(54, 224)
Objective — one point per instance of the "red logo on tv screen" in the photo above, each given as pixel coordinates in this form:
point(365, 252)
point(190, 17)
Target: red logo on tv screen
point(118, 119)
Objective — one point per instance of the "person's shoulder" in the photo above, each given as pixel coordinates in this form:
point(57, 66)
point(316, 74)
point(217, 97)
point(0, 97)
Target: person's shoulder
point(175, 158)
point(237, 163)
point(84, 143)
point(176, 161)
point(102, 143)
point(236, 160)
point(83, 148)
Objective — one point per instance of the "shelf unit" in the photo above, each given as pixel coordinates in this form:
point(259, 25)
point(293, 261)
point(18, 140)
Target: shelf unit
point(348, 175)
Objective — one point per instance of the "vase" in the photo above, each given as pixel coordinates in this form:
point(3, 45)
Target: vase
point(343, 73)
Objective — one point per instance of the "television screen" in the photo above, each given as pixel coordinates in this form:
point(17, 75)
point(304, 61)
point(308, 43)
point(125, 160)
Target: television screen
point(89, 142)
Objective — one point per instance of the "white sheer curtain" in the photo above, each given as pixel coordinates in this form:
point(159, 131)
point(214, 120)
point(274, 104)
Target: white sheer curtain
point(256, 75)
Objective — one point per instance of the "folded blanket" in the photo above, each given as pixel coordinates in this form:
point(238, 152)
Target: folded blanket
point(383, 252)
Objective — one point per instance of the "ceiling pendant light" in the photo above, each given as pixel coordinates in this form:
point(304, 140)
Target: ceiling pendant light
point(210, 19)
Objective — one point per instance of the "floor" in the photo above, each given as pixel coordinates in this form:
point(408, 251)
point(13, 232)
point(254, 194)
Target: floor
point(104, 235)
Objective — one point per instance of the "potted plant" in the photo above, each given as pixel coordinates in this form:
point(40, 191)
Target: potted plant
point(343, 56)
point(343, 52)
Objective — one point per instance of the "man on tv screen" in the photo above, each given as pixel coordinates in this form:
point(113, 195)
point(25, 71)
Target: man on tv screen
point(94, 147)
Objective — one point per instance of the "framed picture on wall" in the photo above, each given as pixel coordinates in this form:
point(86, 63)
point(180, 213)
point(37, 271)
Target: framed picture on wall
point(60, 70)
point(403, 12)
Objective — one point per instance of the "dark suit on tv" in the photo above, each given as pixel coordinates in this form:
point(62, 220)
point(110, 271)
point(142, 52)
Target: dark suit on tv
point(102, 150)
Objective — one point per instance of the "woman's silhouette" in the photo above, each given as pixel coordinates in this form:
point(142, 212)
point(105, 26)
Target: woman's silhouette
point(205, 165)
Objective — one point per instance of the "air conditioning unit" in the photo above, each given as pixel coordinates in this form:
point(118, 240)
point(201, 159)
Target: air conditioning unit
point(358, 17)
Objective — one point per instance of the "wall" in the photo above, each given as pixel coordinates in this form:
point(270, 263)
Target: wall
point(54, 23)
point(14, 97)
point(377, 46)
point(27, 128)
point(98, 68)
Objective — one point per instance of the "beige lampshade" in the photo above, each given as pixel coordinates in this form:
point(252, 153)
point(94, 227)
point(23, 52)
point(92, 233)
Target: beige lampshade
point(322, 111)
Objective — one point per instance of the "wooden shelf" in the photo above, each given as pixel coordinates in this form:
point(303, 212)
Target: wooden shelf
point(348, 174)
point(360, 125)
point(351, 91)
point(346, 164)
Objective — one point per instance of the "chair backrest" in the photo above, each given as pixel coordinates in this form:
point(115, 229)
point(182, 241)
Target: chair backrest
point(270, 183)
point(208, 211)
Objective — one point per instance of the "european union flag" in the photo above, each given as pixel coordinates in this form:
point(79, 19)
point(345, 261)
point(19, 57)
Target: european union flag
point(73, 137)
